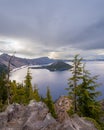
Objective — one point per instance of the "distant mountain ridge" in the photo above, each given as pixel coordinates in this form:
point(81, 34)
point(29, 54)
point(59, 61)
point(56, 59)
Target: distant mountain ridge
point(18, 62)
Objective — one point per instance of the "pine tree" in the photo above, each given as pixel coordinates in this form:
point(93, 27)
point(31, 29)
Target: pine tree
point(3, 92)
point(87, 104)
point(18, 93)
point(3, 88)
point(82, 88)
point(36, 94)
point(28, 87)
point(49, 102)
point(74, 80)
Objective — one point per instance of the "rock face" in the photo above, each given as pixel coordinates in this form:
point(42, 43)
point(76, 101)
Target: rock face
point(36, 116)
point(62, 105)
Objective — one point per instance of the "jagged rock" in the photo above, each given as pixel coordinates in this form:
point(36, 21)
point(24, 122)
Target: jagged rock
point(10, 113)
point(36, 116)
point(40, 124)
point(62, 105)
point(3, 119)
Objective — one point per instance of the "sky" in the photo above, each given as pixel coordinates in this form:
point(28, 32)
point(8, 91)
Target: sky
point(52, 28)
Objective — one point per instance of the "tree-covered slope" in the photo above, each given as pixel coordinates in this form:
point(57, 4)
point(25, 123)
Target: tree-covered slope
point(3, 68)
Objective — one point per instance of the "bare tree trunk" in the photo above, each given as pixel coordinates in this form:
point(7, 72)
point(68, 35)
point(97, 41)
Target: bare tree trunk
point(8, 77)
point(75, 85)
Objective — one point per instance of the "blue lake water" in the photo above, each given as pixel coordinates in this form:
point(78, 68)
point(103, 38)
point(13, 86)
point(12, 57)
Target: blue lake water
point(58, 81)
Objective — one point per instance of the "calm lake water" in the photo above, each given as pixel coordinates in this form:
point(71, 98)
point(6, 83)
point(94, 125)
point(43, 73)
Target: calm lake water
point(57, 81)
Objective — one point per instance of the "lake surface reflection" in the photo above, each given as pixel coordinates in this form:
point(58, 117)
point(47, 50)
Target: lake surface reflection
point(58, 81)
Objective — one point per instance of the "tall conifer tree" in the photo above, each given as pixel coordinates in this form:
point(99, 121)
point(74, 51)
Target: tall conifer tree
point(36, 94)
point(3, 88)
point(49, 102)
point(87, 96)
point(28, 86)
point(74, 80)
point(82, 89)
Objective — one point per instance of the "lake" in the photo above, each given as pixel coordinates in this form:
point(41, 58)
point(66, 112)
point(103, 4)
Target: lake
point(58, 80)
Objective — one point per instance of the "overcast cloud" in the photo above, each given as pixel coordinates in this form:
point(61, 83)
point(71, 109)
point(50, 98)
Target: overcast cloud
point(54, 28)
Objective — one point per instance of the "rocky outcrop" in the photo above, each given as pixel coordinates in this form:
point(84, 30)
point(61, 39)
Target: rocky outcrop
point(36, 116)
point(62, 105)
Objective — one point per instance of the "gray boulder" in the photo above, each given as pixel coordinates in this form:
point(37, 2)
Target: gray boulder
point(36, 116)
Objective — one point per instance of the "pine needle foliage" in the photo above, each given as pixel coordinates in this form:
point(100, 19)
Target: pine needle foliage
point(49, 102)
point(87, 96)
point(28, 87)
point(74, 80)
point(83, 91)
point(36, 94)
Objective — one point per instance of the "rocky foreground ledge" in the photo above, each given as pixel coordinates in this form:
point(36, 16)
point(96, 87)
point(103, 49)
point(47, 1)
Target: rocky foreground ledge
point(36, 116)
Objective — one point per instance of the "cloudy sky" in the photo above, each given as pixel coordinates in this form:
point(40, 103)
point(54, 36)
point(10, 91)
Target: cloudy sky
point(53, 28)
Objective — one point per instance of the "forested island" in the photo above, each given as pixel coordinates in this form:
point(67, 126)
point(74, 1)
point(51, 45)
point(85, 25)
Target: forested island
point(56, 66)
